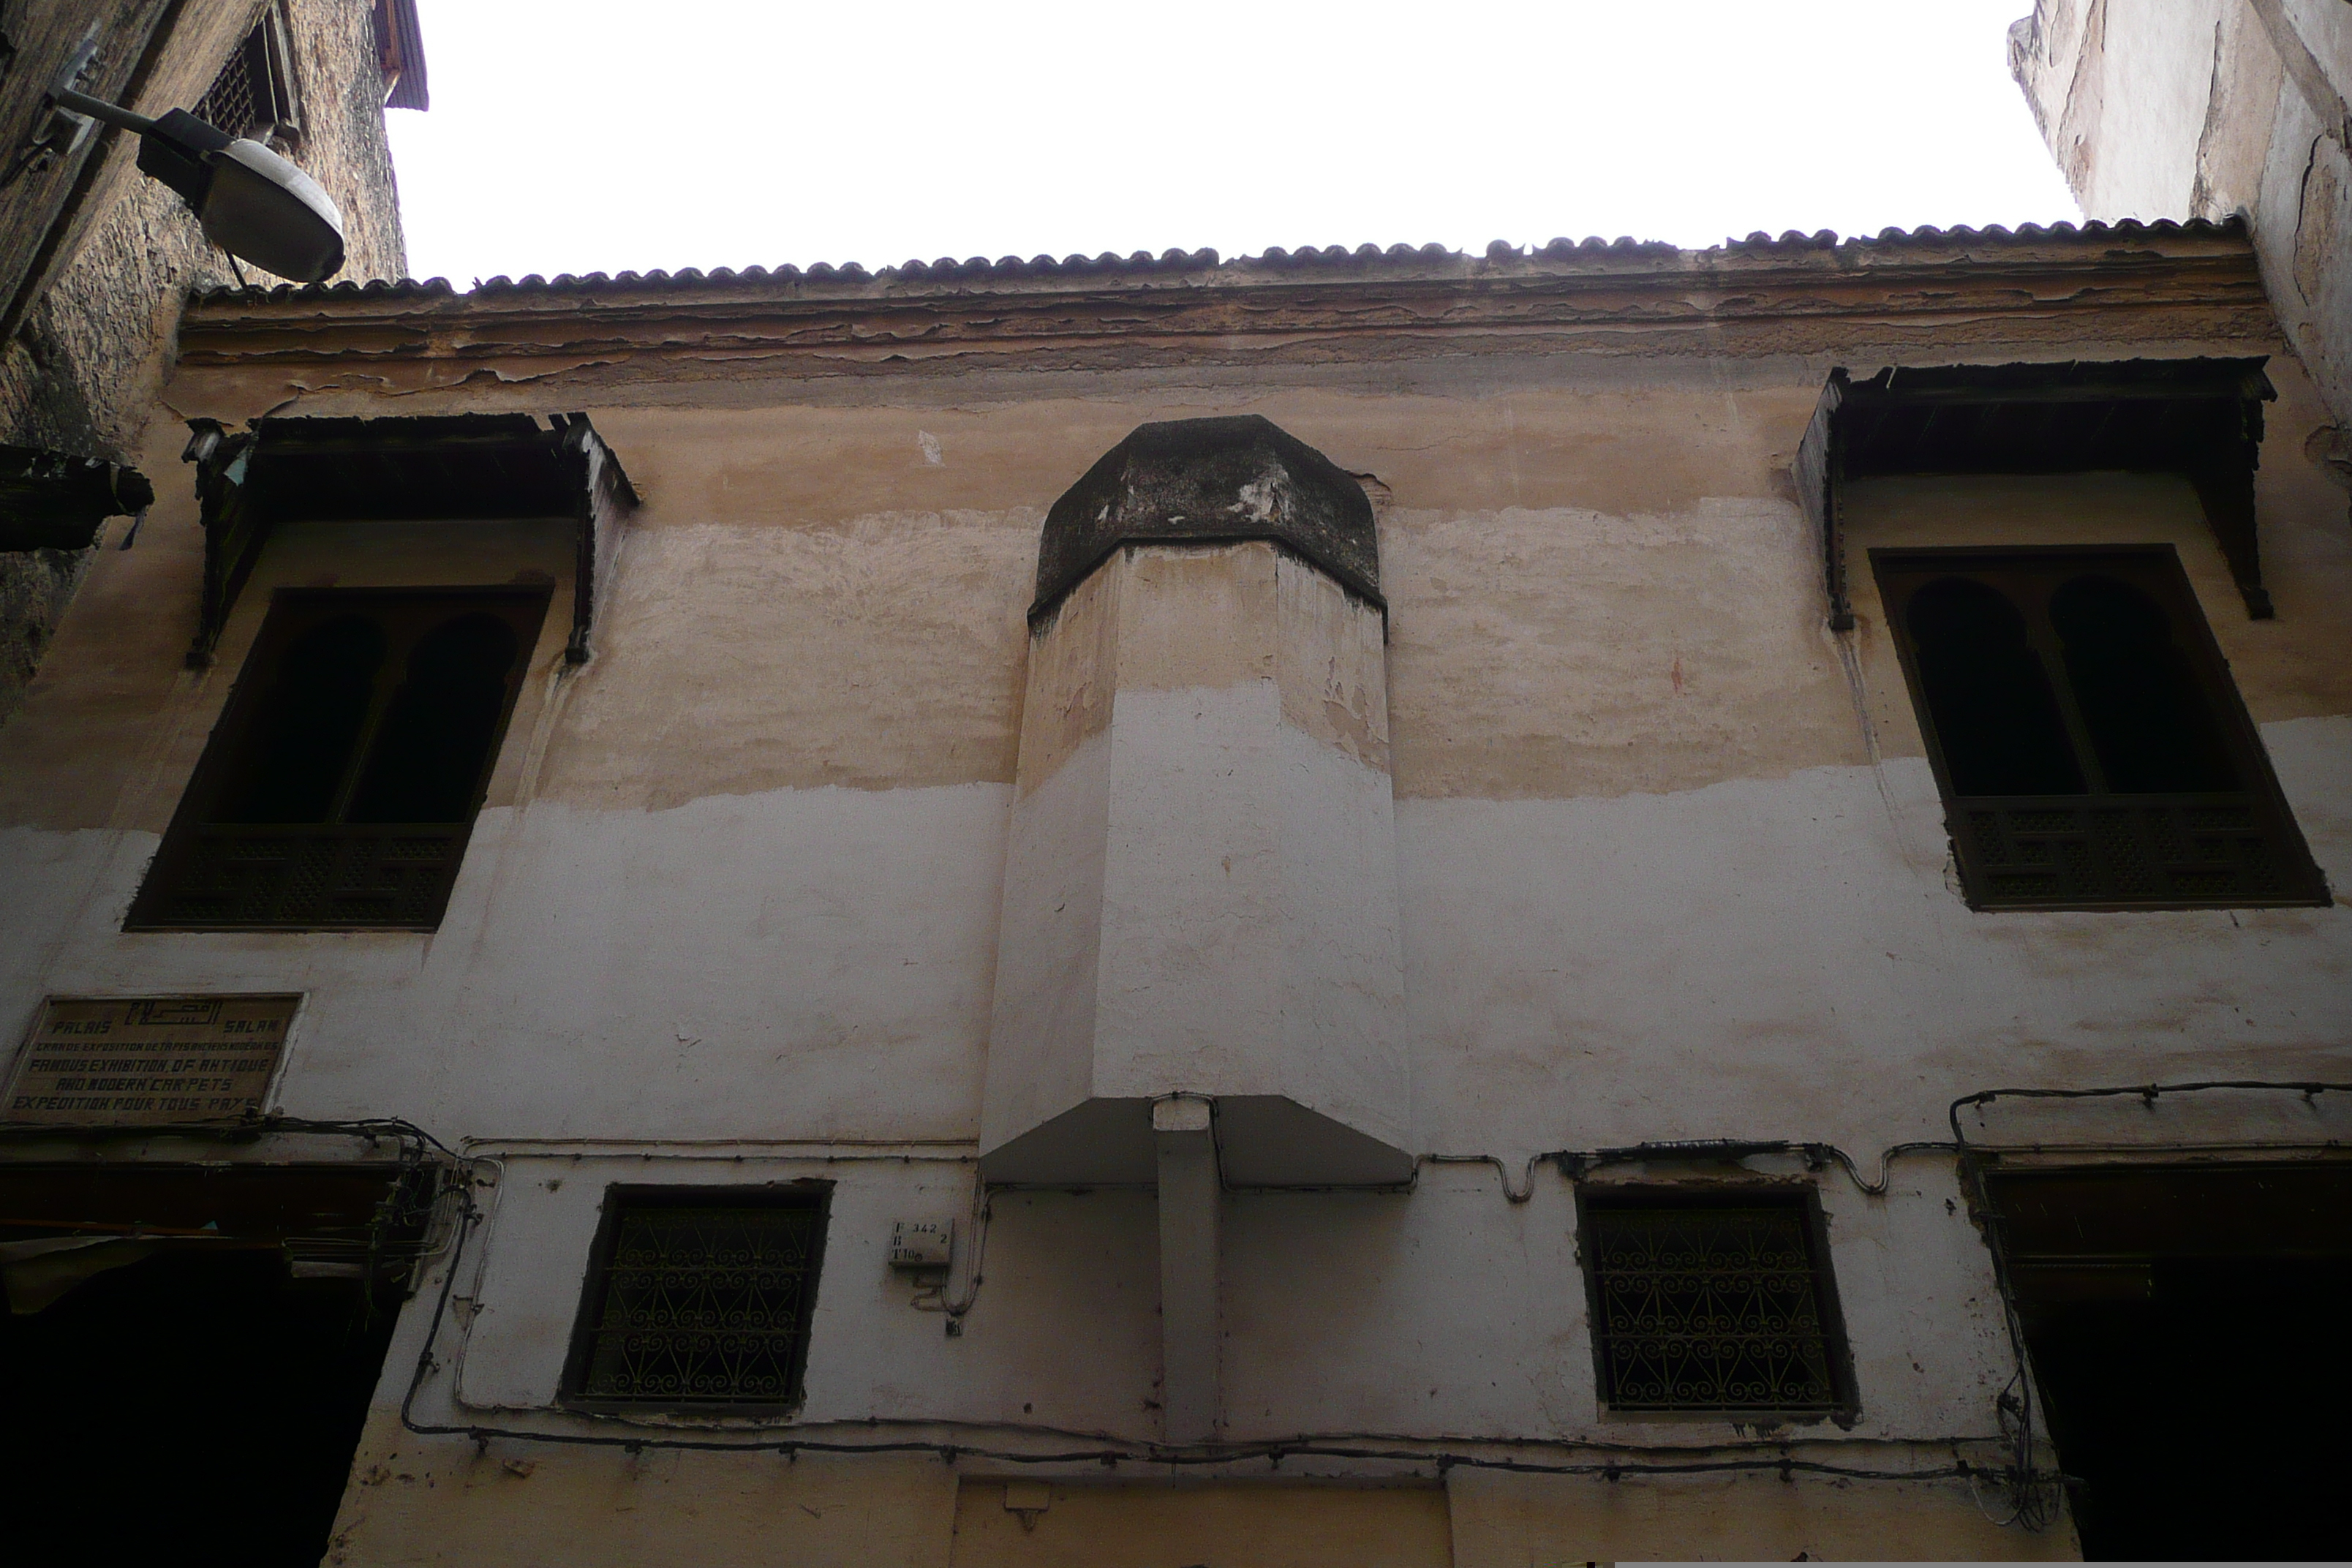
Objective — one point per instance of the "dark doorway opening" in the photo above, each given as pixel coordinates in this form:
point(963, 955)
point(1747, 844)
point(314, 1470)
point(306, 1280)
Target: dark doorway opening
point(2186, 1328)
point(196, 1389)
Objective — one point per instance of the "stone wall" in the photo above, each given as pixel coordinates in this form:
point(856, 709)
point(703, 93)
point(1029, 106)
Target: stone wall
point(81, 375)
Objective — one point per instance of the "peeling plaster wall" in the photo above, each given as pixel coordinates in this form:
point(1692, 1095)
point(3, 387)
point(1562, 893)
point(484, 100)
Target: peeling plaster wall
point(1670, 865)
point(1201, 881)
point(2206, 108)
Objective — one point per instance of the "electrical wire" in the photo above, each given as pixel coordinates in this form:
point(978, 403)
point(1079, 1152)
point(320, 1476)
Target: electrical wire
point(955, 1305)
point(1111, 1453)
point(2028, 1493)
point(1442, 1453)
point(2034, 1491)
point(1573, 1163)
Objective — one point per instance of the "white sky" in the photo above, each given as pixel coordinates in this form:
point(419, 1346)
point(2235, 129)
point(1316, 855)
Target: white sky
point(586, 135)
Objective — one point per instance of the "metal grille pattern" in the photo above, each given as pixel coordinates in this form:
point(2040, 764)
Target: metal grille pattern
point(703, 1305)
point(1709, 1309)
point(253, 94)
point(2139, 849)
point(233, 103)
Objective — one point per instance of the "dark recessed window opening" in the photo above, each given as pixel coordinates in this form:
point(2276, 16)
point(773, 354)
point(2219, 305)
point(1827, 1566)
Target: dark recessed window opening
point(253, 94)
point(341, 786)
point(2092, 749)
point(213, 1356)
point(2157, 1300)
point(701, 1297)
point(1715, 1304)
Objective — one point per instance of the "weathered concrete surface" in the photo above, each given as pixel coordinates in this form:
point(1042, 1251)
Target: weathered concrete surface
point(726, 741)
point(1669, 864)
point(2207, 108)
point(418, 1501)
point(1245, 1524)
point(1504, 1520)
point(1200, 890)
point(1192, 1253)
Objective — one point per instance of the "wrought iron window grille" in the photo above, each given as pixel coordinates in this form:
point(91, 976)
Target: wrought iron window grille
point(1716, 1305)
point(700, 1298)
point(253, 94)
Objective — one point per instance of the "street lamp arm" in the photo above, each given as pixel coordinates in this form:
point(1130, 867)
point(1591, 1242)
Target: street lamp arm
point(97, 109)
point(251, 202)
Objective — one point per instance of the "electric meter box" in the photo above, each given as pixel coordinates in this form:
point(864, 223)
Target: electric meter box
point(921, 1242)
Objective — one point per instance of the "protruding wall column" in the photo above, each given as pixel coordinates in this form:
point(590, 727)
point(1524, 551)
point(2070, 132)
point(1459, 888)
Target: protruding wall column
point(1200, 892)
point(1190, 1293)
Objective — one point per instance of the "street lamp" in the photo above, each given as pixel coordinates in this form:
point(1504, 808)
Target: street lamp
point(251, 202)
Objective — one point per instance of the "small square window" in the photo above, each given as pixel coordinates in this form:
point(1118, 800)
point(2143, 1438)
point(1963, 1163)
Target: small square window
point(2091, 749)
point(1715, 1303)
point(253, 94)
point(701, 1297)
point(339, 789)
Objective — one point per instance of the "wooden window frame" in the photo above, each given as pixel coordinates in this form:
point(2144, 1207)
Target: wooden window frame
point(421, 861)
point(1799, 1198)
point(1991, 835)
point(813, 1196)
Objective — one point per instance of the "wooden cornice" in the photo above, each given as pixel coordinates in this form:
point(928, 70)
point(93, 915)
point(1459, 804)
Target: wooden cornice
point(2119, 284)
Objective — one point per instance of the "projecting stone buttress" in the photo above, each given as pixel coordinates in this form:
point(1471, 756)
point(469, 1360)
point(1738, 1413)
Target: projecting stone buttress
point(1200, 892)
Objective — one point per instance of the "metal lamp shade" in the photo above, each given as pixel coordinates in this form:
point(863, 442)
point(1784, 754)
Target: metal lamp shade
point(261, 207)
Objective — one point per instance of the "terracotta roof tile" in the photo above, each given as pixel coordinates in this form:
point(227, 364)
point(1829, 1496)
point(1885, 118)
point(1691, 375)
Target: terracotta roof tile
point(1307, 259)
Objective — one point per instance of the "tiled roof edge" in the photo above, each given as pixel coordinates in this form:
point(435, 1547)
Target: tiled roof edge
point(1142, 264)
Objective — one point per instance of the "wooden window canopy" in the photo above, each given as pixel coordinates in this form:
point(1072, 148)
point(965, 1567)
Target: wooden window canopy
point(465, 467)
point(2201, 418)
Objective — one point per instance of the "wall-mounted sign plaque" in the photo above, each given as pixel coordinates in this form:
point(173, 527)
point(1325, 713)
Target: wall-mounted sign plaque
point(155, 1059)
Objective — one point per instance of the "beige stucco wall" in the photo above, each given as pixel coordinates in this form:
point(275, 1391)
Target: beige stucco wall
point(417, 1502)
point(1505, 1521)
point(1118, 1524)
point(1670, 865)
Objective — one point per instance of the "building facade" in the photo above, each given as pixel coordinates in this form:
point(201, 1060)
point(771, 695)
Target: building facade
point(1344, 907)
point(2215, 108)
point(96, 261)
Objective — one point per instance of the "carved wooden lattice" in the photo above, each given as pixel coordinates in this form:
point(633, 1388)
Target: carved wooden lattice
point(339, 790)
point(2161, 849)
point(2088, 741)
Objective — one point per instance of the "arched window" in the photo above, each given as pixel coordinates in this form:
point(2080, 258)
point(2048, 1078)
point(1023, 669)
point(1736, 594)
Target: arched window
point(340, 787)
point(308, 725)
point(432, 749)
point(2151, 728)
point(2090, 747)
point(1993, 707)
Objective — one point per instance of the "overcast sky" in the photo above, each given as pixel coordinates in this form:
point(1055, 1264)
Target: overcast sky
point(585, 135)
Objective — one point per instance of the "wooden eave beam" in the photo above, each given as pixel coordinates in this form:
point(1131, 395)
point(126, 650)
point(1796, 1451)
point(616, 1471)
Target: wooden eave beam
point(247, 482)
point(2199, 418)
point(1718, 304)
